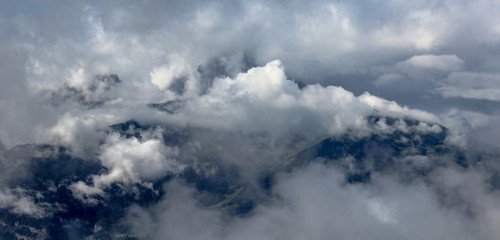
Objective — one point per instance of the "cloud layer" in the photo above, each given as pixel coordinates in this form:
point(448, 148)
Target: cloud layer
point(417, 48)
point(315, 203)
point(224, 92)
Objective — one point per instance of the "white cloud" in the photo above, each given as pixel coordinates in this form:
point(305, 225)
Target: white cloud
point(420, 29)
point(470, 193)
point(318, 40)
point(393, 109)
point(460, 119)
point(156, 48)
point(446, 63)
point(463, 123)
point(130, 161)
point(471, 85)
point(18, 201)
point(419, 68)
point(177, 70)
point(315, 204)
point(264, 100)
point(79, 131)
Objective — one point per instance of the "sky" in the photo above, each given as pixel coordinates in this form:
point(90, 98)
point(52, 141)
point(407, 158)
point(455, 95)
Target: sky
point(70, 69)
point(439, 56)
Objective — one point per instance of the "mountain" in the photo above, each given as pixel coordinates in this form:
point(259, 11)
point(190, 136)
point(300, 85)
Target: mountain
point(407, 148)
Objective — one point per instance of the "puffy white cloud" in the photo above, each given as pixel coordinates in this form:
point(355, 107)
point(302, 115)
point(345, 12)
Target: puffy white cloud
point(264, 100)
point(130, 161)
point(68, 129)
